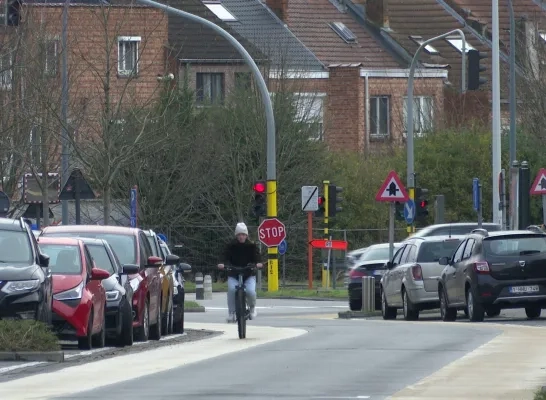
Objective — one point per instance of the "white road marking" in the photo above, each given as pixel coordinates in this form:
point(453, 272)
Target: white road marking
point(341, 397)
point(19, 366)
point(114, 370)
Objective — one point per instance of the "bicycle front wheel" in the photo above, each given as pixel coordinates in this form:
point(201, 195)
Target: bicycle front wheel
point(240, 310)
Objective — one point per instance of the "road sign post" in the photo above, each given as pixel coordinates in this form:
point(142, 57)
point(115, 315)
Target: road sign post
point(282, 251)
point(539, 188)
point(309, 198)
point(310, 249)
point(477, 200)
point(392, 191)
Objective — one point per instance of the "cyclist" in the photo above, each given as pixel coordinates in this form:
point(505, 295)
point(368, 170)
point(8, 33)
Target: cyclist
point(240, 252)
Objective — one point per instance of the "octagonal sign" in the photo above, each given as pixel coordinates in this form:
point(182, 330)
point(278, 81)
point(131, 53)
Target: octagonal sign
point(271, 232)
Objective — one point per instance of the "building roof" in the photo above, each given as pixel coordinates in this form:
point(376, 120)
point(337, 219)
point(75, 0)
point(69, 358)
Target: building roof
point(315, 29)
point(195, 42)
point(258, 24)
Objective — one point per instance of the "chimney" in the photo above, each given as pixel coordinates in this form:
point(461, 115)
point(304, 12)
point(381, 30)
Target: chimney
point(279, 7)
point(377, 11)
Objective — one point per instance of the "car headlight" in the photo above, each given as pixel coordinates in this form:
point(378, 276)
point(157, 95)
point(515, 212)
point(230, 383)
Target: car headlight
point(72, 294)
point(112, 295)
point(134, 284)
point(20, 286)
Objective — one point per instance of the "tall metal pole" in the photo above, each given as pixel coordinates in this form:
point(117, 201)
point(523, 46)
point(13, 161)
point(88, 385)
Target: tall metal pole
point(512, 83)
point(409, 120)
point(496, 140)
point(272, 252)
point(64, 108)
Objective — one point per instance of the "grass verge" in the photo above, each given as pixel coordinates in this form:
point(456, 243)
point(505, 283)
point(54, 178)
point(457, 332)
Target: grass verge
point(318, 293)
point(27, 335)
point(540, 395)
point(188, 304)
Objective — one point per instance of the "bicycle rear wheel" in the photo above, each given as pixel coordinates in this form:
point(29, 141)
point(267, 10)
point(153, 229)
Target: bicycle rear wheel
point(240, 310)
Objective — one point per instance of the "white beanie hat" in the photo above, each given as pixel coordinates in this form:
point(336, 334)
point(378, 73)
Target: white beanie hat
point(241, 228)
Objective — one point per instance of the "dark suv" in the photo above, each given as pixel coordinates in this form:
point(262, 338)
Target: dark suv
point(490, 271)
point(25, 278)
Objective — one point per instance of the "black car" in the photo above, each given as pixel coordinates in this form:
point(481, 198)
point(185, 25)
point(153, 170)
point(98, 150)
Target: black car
point(25, 278)
point(454, 229)
point(179, 293)
point(119, 293)
point(490, 271)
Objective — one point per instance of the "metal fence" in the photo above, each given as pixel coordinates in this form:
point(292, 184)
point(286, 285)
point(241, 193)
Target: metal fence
point(202, 247)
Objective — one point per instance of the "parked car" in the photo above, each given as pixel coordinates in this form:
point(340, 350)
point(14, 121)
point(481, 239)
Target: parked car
point(454, 229)
point(490, 271)
point(132, 248)
point(119, 293)
point(26, 285)
point(179, 291)
point(167, 282)
point(411, 279)
point(79, 299)
point(371, 262)
point(353, 257)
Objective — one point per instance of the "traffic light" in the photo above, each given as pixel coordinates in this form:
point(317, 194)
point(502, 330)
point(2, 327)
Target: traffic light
point(334, 200)
point(321, 207)
point(399, 211)
point(421, 202)
point(474, 68)
point(259, 208)
point(13, 12)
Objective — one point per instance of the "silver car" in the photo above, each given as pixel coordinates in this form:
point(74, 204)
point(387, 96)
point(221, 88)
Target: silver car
point(411, 279)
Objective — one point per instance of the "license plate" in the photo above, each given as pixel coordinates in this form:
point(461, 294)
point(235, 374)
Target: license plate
point(524, 289)
point(378, 272)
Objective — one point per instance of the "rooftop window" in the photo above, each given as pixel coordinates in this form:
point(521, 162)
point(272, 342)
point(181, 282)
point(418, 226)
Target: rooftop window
point(220, 11)
point(343, 32)
point(428, 48)
point(458, 44)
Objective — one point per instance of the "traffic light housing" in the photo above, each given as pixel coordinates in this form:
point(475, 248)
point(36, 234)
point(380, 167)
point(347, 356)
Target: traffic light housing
point(474, 68)
point(259, 207)
point(399, 211)
point(12, 12)
point(421, 203)
point(334, 200)
point(321, 207)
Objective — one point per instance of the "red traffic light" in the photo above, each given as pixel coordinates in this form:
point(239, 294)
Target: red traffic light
point(259, 187)
point(321, 200)
point(423, 203)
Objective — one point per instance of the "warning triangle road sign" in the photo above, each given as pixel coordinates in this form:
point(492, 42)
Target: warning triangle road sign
point(539, 185)
point(392, 189)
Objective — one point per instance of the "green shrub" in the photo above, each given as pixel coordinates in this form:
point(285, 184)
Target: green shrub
point(26, 335)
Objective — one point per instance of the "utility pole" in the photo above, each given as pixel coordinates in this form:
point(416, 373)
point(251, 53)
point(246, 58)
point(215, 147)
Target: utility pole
point(496, 140)
point(64, 108)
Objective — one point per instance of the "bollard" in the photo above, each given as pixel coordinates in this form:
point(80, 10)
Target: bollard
point(208, 287)
point(368, 294)
point(199, 293)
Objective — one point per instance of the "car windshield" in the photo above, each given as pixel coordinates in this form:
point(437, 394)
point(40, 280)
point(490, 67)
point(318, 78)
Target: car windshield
point(123, 245)
point(63, 259)
point(432, 251)
point(376, 253)
point(100, 256)
point(15, 248)
point(514, 245)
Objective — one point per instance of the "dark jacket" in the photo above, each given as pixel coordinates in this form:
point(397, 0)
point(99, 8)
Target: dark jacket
point(240, 255)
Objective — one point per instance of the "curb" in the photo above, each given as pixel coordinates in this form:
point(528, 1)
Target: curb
point(43, 356)
point(362, 314)
point(302, 298)
point(194, 309)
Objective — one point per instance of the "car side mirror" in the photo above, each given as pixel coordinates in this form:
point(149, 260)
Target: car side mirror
point(154, 262)
point(183, 267)
point(389, 265)
point(172, 259)
point(443, 261)
point(98, 274)
point(130, 269)
point(44, 260)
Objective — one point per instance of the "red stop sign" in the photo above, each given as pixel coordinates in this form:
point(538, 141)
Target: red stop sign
point(271, 232)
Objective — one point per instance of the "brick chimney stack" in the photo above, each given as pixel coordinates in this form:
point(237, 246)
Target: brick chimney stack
point(377, 11)
point(279, 7)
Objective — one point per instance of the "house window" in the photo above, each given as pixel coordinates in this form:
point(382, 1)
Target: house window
point(379, 116)
point(309, 111)
point(50, 57)
point(428, 48)
point(220, 11)
point(423, 115)
point(456, 42)
point(128, 55)
point(6, 71)
point(210, 87)
point(243, 80)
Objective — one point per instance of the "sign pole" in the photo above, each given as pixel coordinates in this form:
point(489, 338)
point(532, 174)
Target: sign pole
point(544, 208)
point(392, 209)
point(480, 212)
point(328, 266)
point(310, 248)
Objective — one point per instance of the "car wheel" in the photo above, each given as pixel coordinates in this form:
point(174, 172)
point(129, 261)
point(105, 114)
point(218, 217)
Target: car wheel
point(447, 314)
point(126, 338)
point(476, 312)
point(168, 319)
point(355, 304)
point(99, 341)
point(493, 312)
point(179, 323)
point(86, 342)
point(410, 313)
point(143, 331)
point(155, 330)
point(533, 312)
point(386, 311)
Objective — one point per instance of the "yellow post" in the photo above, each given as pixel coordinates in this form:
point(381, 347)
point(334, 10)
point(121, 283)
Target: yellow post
point(411, 194)
point(326, 204)
point(272, 252)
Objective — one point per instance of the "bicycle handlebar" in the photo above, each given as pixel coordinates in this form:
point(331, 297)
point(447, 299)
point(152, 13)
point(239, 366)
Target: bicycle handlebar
point(249, 267)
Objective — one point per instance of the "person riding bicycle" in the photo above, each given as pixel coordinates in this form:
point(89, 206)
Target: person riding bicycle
point(240, 252)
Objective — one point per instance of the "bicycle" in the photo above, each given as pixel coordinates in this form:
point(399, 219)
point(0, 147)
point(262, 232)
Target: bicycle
point(242, 311)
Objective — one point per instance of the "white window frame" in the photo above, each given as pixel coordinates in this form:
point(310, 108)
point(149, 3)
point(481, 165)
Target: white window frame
point(218, 9)
point(6, 74)
point(376, 99)
point(310, 112)
point(122, 41)
point(417, 114)
point(457, 43)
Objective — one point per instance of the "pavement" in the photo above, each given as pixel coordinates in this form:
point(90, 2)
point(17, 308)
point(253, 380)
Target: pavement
point(298, 350)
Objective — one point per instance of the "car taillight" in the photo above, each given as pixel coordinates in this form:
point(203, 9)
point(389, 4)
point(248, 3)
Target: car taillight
point(355, 273)
point(481, 267)
point(417, 273)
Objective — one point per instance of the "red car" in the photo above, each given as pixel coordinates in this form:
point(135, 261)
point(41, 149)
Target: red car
point(79, 299)
point(132, 248)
